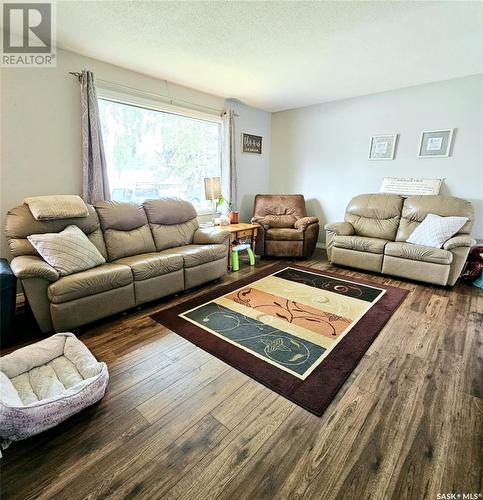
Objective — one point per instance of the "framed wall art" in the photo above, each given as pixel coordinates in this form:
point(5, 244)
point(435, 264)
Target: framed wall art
point(383, 147)
point(436, 143)
point(251, 144)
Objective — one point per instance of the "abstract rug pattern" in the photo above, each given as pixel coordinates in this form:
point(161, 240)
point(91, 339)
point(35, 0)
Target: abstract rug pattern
point(291, 319)
point(291, 328)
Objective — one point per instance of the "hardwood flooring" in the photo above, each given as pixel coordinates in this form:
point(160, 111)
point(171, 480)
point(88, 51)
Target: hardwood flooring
point(177, 423)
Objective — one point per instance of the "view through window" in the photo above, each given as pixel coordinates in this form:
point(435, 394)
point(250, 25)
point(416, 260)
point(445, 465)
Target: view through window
point(152, 153)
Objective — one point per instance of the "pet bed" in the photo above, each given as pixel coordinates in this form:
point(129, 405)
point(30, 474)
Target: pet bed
point(44, 383)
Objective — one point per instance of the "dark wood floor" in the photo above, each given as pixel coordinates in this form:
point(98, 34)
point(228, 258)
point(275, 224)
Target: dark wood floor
point(178, 423)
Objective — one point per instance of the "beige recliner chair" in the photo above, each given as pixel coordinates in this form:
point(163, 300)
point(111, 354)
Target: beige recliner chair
point(375, 229)
point(152, 250)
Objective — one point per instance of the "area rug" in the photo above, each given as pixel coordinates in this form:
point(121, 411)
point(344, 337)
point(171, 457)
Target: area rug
point(299, 331)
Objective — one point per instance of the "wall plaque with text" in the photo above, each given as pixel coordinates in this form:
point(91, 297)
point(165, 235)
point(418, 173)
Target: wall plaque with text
point(251, 144)
point(410, 186)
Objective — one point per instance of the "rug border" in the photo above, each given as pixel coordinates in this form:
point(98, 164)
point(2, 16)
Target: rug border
point(315, 392)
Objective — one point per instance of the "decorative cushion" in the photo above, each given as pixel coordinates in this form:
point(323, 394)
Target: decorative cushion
point(416, 208)
point(434, 230)
point(61, 206)
point(44, 383)
point(69, 251)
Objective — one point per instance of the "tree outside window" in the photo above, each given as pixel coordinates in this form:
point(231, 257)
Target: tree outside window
point(151, 153)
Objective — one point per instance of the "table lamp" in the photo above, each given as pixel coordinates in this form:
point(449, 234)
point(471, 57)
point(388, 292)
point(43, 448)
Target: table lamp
point(213, 191)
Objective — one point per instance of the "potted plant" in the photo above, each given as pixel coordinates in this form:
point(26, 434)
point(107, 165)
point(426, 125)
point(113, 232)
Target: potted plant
point(232, 214)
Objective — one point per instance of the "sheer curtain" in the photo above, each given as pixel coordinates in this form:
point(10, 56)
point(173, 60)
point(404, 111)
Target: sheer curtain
point(95, 184)
point(228, 168)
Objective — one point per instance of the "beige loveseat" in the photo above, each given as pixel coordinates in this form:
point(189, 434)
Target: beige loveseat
point(373, 237)
point(151, 251)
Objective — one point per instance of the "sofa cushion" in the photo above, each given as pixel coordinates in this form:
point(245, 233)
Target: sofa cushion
point(173, 236)
point(121, 244)
point(416, 208)
point(150, 265)
point(120, 216)
point(418, 252)
point(375, 215)
point(126, 229)
point(361, 243)
point(284, 234)
point(91, 282)
point(173, 222)
point(194, 255)
point(169, 211)
point(20, 223)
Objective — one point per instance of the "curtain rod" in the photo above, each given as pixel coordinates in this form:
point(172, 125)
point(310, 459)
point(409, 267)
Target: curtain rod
point(158, 96)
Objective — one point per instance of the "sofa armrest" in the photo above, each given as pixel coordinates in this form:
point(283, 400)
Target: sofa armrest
point(211, 235)
point(340, 228)
point(31, 266)
point(461, 240)
point(303, 223)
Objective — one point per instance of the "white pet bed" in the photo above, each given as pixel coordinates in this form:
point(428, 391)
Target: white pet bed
point(45, 383)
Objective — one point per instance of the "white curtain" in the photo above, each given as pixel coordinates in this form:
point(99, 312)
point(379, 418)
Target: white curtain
point(228, 173)
point(95, 184)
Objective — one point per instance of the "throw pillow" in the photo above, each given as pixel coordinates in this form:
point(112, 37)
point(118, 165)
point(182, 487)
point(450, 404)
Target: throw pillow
point(69, 251)
point(435, 230)
point(59, 206)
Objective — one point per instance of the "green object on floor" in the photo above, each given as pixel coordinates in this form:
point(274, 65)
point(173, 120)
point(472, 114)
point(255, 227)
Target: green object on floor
point(235, 261)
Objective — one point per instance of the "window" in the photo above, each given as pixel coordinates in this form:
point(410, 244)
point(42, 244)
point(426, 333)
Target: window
point(153, 153)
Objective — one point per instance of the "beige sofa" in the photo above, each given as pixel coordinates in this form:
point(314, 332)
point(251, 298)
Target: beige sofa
point(373, 237)
point(151, 251)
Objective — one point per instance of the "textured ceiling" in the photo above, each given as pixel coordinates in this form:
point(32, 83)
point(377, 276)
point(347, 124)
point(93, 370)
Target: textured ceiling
point(280, 55)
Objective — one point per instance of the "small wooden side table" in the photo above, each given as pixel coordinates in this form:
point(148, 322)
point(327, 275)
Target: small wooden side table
point(241, 231)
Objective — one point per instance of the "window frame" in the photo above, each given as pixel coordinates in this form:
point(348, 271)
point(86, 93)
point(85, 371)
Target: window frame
point(138, 99)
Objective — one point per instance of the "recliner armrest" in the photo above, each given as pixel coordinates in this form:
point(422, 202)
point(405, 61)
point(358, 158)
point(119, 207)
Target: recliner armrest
point(31, 266)
point(211, 235)
point(461, 240)
point(340, 228)
point(262, 221)
point(303, 223)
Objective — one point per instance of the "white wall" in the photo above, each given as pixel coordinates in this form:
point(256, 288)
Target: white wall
point(321, 151)
point(40, 129)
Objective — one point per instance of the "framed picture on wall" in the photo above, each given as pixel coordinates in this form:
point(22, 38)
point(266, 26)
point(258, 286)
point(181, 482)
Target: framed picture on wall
point(436, 143)
point(251, 144)
point(383, 147)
